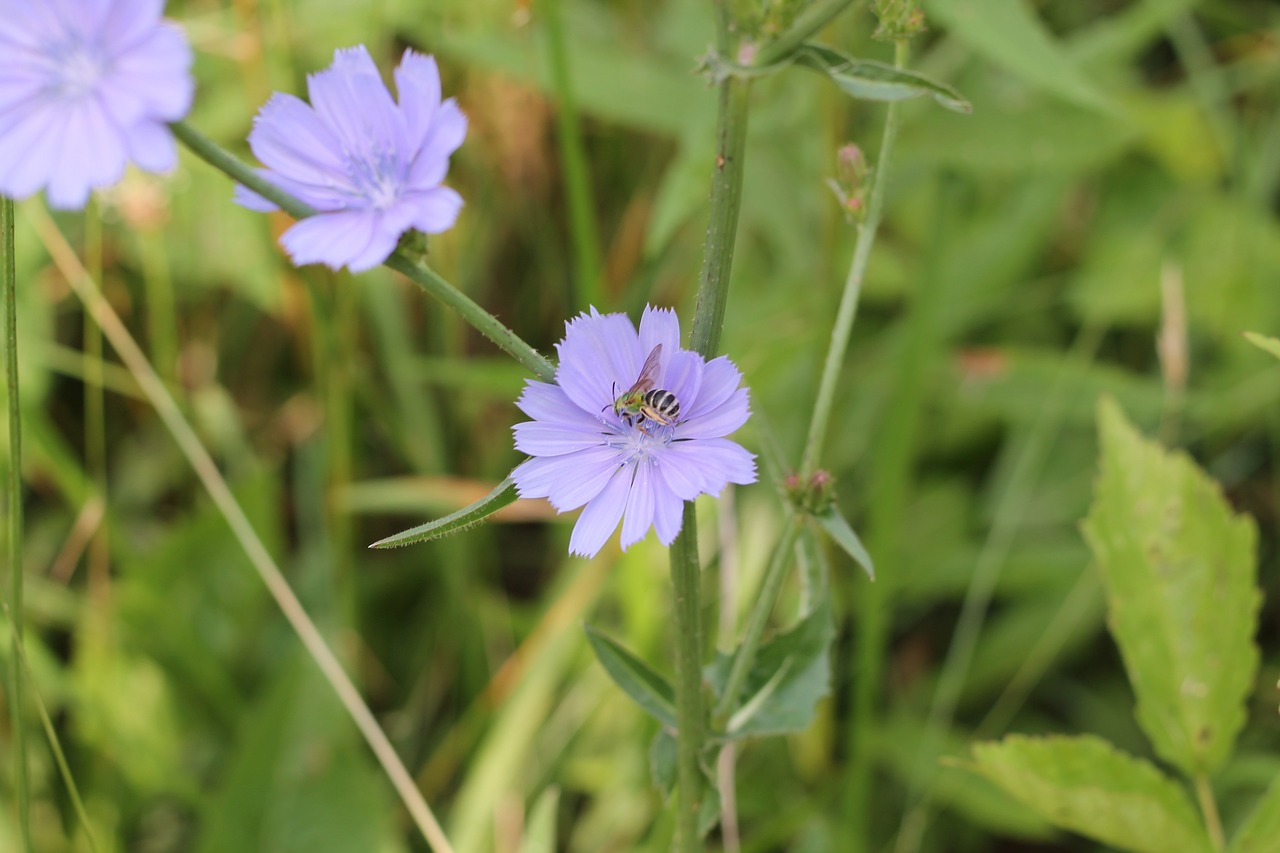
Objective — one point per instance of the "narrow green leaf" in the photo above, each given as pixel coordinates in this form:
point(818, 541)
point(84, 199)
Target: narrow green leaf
point(869, 80)
point(1271, 345)
point(1178, 568)
point(838, 529)
point(662, 761)
point(791, 674)
point(467, 517)
point(1261, 830)
point(1086, 785)
point(540, 829)
point(1009, 33)
point(651, 691)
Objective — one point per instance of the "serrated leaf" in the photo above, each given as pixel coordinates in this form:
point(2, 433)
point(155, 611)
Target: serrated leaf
point(1086, 785)
point(869, 80)
point(651, 691)
point(791, 674)
point(1271, 345)
point(1009, 33)
point(1178, 568)
point(840, 530)
point(1261, 830)
point(467, 517)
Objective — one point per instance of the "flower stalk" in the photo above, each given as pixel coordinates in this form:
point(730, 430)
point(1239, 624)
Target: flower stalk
point(422, 275)
point(15, 602)
point(708, 322)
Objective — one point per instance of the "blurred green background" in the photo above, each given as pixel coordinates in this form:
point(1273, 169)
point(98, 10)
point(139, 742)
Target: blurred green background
point(1104, 221)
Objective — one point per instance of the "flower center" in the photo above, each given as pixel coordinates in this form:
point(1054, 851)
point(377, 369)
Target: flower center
point(377, 177)
point(640, 441)
point(79, 69)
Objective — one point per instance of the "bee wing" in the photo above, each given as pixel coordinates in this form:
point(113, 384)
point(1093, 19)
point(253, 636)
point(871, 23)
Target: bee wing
point(648, 379)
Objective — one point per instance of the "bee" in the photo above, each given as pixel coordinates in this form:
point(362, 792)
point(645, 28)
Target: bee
point(645, 402)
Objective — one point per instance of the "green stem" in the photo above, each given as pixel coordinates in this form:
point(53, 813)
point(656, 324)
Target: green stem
point(16, 704)
point(853, 284)
point(685, 580)
point(573, 155)
point(722, 225)
point(774, 575)
point(806, 24)
point(422, 275)
point(708, 320)
point(1209, 808)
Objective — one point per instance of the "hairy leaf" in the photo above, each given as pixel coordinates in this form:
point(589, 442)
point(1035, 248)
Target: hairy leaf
point(467, 517)
point(844, 535)
point(869, 80)
point(1087, 786)
point(1178, 568)
point(651, 691)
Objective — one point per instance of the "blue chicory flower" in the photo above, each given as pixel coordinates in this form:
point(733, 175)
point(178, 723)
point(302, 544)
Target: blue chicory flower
point(625, 466)
point(87, 86)
point(372, 167)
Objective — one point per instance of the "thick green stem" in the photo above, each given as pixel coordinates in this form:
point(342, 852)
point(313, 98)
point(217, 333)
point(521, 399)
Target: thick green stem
point(16, 699)
point(722, 226)
point(806, 24)
point(484, 322)
point(774, 575)
point(853, 285)
point(573, 157)
point(690, 719)
point(708, 320)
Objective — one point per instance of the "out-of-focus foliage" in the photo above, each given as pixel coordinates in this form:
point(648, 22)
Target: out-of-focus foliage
point(1104, 222)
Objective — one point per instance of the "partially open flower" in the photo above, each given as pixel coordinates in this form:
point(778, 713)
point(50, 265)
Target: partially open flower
point(372, 167)
point(87, 86)
point(630, 434)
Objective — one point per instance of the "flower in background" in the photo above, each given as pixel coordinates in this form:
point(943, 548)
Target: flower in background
point(85, 87)
point(638, 463)
point(371, 167)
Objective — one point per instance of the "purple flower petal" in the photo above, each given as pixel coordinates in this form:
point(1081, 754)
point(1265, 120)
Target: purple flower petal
point(418, 85)
point(710, 462)
point(93, 83)
point(351, 99)
point(660, 326)
point(332, 239)
point(543, 439)
point(434, 211)
point(684, 377)
point(289, 137)
point(719, 380)
point(601, 515)
point(599, 359)
point(431, 161)
point(640, 504)
point(720, 421)
point(668, 512)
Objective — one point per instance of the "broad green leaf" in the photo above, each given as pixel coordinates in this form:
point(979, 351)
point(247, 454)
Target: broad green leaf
point(651, 691)
point(540, 829)
point(1261, 830)
point(1008, 33)
point(1086, 785)
point(791, 674)
point(1178, 568)
point(838, 529)
point(467, 517)
point(874, 81)
point(1264, 342)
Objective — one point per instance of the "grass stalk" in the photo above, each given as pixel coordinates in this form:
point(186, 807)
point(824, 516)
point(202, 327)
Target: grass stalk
point(17, 703)
point(573, 157)
point(211, 478)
